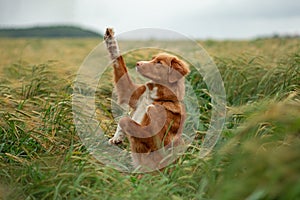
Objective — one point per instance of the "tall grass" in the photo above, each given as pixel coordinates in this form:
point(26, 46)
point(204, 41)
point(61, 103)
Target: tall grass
point(247, 79)
point(257, 156)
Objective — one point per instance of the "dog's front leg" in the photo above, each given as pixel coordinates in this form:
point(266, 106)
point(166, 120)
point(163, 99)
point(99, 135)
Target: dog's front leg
point(157, 117)
point(123, 83)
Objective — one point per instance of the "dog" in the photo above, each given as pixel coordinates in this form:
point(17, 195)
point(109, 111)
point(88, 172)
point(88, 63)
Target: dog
point(158, 116)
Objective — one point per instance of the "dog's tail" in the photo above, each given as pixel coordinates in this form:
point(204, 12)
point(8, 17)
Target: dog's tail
point(111, 44)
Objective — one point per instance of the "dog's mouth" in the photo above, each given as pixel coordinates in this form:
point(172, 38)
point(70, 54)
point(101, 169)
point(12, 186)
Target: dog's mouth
point(140, 71)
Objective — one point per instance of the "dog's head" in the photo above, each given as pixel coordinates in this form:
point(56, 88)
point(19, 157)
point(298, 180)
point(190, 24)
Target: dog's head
point(163, 68)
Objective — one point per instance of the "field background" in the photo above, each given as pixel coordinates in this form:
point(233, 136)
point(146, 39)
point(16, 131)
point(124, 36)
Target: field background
point(257, 156)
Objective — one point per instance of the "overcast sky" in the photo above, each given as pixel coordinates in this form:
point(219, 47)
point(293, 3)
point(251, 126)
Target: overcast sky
point(218, 19)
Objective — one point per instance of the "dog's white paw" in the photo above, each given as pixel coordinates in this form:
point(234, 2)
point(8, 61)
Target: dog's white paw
point(115, 140)
point(118, 137)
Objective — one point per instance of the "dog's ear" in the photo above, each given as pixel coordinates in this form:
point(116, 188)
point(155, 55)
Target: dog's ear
point(177, 70)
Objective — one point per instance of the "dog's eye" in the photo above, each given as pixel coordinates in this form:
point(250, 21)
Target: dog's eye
point(159, 62)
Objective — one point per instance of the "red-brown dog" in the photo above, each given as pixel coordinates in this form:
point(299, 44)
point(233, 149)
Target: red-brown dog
point(158, 112)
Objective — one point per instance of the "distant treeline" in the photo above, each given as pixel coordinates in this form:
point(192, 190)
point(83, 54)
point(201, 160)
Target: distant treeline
point(48, 32)
point(281, 36)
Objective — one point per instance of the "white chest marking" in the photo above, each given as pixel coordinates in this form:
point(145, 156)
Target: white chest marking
point(144, 101)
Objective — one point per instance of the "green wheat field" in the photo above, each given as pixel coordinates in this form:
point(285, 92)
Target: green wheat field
point(256, 157)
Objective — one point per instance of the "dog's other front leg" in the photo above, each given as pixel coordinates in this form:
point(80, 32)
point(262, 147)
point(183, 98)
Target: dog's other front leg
point(129, 126)
point(157, 119)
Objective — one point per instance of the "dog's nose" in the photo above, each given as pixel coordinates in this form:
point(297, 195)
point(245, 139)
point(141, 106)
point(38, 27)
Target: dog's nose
point(139, 63)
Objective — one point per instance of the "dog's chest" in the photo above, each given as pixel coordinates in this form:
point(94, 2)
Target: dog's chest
point(145, 100)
